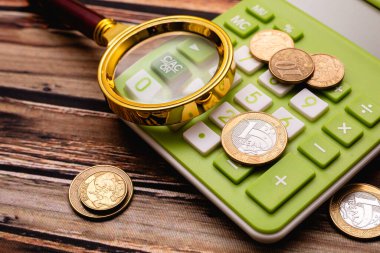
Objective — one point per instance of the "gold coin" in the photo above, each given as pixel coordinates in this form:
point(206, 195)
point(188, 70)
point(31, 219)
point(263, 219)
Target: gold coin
point(329, 71)
point(355, 210)
point(102, 191)
point(119, 203)
point(291, 66)
point(254, 138)
point(266, 43)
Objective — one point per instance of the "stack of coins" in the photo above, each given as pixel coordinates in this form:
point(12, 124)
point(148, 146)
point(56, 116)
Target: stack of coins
point(290, 65)
point(355, 210)
point(100, 192)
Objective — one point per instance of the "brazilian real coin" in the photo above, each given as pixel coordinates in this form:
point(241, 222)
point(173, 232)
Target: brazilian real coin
point(266, 43)
point(291, 66)
point(355, 210)
point(101, 191)
point(254, 138)
point(329, 71)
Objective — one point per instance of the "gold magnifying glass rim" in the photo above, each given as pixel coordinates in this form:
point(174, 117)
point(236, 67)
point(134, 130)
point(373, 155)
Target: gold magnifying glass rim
point(156, 114)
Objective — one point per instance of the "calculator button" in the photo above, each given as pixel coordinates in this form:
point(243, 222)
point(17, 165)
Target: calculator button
point(320, 150)
point(338, 93)
point(365, 110)
point(260, 12)
point(222, 114)
point(252, 99)
point(281, 182)
point(169, 67)
point(241, 25)
point(268, 81)
point(235, 172)
point(197, 51)
point(202, 138)
point(308, 104)
point(343, 129)
point(293, 125)
point(193, 86)
point(142, 86)
point(237, 79)
point(245, 61)
point(289, 28)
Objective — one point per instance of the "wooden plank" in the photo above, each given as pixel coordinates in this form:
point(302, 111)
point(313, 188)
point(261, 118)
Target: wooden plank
point(37, 204)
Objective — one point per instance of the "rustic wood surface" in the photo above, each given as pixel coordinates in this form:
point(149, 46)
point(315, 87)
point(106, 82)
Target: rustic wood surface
point(54, 123)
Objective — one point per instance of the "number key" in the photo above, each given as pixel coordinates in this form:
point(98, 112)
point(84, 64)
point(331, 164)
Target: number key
point(252, 99)
point(309, 105)
point(222, 114)
point(293, 125)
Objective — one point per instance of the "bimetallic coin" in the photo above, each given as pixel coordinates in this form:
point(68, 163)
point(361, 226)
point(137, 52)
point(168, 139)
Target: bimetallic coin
point(254, 138)
point(329, 71)
point(98, 179)
point(291, 66)
point(355, 210)
point(266, 43)
point(102, 191)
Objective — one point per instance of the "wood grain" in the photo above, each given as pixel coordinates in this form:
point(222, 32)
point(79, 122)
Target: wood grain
point(54, 123)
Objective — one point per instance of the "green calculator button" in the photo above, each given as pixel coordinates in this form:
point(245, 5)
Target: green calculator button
point(365, 110)
point(338, 93)
point(281, 181)
point(320, 150)
point(197, 51)
point(260, 12)
point(169, 67)
point(343, 129)
point(235, 172)
point(289, 28)
point(241, 25)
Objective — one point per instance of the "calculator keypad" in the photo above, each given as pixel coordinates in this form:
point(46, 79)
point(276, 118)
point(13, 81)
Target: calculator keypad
point(242, 25)
point(234, 171)
point(222, 114)
point(293, 125)
point(202, 138)
point(267, 80)
point(365, 110)
point(245, 61)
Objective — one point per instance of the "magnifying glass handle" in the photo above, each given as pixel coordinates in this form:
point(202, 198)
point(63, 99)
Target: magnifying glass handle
point(77, 16)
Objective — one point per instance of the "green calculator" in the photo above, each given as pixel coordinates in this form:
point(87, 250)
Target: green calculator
point(332, 133)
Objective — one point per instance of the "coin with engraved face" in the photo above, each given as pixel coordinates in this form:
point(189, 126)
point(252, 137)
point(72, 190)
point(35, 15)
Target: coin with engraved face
point(254, 138)
point(355, 210)
point(103, 190)
point(291, 66)
point(266, 43)
point(329, 71)
point(100, 192)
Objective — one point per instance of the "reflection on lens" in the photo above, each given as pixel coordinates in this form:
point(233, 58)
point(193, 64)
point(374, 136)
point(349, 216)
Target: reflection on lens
point(166, 68)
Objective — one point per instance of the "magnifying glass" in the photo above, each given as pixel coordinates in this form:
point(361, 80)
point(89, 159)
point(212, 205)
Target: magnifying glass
point(165, 71)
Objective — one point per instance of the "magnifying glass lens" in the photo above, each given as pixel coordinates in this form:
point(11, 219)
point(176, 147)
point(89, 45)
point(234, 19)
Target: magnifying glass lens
point(166, 67)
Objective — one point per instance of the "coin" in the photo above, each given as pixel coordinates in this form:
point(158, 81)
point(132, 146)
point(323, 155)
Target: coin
point(102, 191)
point(254, 138)
point(291, 66)
point(266, 43)
point(99, 179)
point(329, 71)
point(355, 210)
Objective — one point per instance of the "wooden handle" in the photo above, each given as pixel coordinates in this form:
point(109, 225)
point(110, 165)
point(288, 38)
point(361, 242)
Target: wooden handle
point(71, 13)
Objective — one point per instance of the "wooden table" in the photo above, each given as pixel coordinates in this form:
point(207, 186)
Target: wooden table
point(55, 123)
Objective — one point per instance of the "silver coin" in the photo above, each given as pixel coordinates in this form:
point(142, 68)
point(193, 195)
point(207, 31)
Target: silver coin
point(254, 137)
point(360, 210)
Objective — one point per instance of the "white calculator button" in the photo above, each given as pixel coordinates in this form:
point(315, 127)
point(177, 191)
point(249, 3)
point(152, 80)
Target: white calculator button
point(308, 104)
point(193, 86)
point(237, 79)
point(142, 86)
point(202, 138)
point(252, 99)
point(222, 114)
point(269, 82)
point(245, 61)
point(293, 125)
